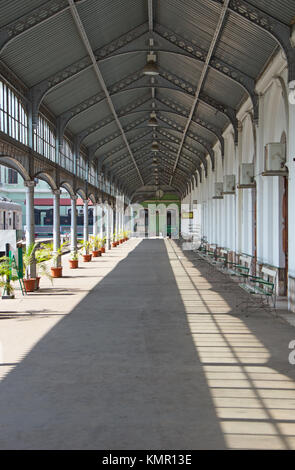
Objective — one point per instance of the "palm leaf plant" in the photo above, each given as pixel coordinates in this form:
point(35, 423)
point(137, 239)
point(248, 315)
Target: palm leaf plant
point(6, 277)
point(28, 259)
point(42, 255)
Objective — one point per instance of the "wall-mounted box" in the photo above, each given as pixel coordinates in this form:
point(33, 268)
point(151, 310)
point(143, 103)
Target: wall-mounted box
point(229, 184)
point(275, 160)
point(218, 191)
point(246, 176)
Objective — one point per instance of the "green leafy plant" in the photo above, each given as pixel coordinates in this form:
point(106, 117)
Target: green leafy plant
point(103, 241)
point(86, 246)
point(28, 259)
point(7, 276)
point(95, 243)
point(74, 255)
point(55, 255)
point(42, 255)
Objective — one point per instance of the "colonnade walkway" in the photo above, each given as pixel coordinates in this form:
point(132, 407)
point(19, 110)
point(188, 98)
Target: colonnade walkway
point(145, 348)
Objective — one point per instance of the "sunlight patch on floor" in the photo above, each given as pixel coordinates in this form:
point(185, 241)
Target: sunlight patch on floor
point(255, 405)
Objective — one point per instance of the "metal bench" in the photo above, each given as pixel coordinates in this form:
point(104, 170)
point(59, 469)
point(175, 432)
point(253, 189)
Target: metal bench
point(263, 287)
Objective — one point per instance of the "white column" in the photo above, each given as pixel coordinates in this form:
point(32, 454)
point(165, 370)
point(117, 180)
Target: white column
point(56, 223)
point(30, 220)
point(85, 221)
point(101, 217)
point(73, 224)
point(107, 226)
point(95, 220)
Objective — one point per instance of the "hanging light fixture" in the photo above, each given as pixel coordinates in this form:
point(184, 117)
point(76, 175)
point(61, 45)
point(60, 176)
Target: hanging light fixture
point(155, 147)
point(153, 121)
point(151, 67)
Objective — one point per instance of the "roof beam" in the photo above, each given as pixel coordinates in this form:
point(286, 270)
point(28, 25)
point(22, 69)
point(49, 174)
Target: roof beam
point(101, 81)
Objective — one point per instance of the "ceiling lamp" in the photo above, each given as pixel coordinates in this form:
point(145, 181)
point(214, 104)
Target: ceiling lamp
point(155, 147)
point(153, 121)
point(151, 67)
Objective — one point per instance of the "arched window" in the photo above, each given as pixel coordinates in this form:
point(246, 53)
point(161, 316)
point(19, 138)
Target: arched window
point(44, 138)
point(13, 117)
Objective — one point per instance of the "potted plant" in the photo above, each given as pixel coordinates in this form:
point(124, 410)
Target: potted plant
point(74, 260)
point(6, 277)
point(96, 246)
point(28, 259)
point(42, 255)
point(86, 245)
point(56, 269)
point(103, 242)
point(114, 241)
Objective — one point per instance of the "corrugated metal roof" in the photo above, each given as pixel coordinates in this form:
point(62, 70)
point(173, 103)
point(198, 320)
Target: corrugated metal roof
point(119, 67)
point(184, 67)
point(238, 46)
point(12, 10)
point(105, 132)
point(196, 19)
point(50, 47)
point(80, 88)
point(90, 117)
point(44, 50)
point(105, 21)
point(222, 89)
point(280, 9)
point(213, 117)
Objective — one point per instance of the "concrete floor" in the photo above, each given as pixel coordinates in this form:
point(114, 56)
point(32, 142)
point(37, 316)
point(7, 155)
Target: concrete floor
point(145, 348)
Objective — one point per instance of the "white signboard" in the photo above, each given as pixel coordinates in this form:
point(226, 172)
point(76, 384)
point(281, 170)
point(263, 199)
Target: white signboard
point(8, 236)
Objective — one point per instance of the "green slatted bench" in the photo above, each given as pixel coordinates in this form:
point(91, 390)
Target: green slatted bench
point(263, 287)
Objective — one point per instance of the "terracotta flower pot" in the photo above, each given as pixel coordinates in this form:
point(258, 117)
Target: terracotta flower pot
point(30, 284)
point(86, 258)
point(37, 283)
point(73, 263)
point(96, 253)
point(103, 250)
point(56, 272)
point(114, 244)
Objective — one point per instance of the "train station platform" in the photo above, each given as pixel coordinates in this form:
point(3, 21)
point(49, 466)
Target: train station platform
point(129, 353)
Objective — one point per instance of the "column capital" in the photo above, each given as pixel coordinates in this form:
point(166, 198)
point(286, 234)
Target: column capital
point(56, 192)
point(30, 184)
point(74, 198)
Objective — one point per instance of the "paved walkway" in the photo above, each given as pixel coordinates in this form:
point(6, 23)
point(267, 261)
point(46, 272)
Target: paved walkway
point(145, 348)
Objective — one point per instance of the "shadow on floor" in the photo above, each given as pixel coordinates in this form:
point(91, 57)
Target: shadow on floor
point(144, 362)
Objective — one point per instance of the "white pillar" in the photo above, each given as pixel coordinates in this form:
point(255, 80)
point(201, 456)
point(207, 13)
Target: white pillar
point(95, 220)
point(85, 222)
point(56, 223)
point(101, 217)
point(107, 225)
point(30, 220)
point(74, 223)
